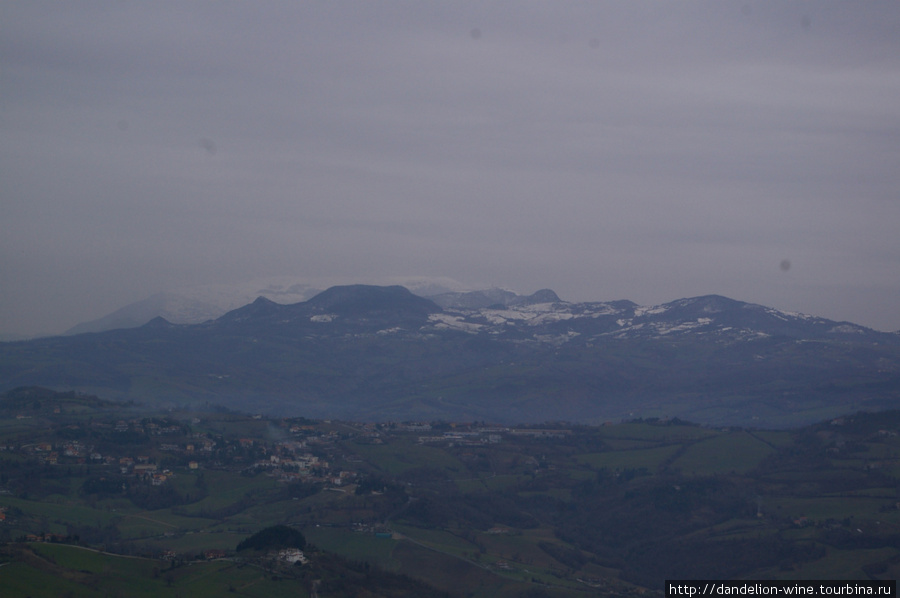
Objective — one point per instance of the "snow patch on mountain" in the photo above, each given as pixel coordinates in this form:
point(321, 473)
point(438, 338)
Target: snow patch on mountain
point(447, 321)
point(787, 315)
point(672, 328)
point(534, 314)
point(650, 311)
point(557, 339)
point(846, 329)
point(600, 310)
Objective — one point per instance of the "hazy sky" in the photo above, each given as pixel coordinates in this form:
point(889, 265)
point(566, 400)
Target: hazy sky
point(608, 150)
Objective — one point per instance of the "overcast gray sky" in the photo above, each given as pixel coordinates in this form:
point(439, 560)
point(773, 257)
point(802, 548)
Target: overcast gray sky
point(608, 150)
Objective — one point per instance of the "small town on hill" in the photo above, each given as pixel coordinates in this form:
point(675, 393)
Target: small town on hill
point(96, 494)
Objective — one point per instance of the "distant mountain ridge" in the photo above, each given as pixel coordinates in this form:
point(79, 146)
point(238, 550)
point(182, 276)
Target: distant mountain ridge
point(491, 297)
point(365, 299)
point(200, 303)
point(195, 304)
point(375, 353)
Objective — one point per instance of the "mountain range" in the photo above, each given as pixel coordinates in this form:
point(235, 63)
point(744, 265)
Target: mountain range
point(199, 303)
point(363, 352)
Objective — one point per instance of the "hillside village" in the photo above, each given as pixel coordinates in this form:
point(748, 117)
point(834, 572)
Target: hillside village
point(560, 507)
point(149, 449)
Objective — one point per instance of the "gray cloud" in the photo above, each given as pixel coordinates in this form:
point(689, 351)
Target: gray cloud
point(610, 150)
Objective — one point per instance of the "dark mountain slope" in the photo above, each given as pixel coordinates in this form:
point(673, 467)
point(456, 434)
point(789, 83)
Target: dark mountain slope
point(365, 300)
point(361, 352)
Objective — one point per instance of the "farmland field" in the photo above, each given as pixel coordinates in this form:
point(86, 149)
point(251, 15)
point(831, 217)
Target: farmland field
point(469, 511)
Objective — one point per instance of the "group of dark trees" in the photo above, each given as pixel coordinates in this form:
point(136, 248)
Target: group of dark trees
point(275, 537)
point(141, 493)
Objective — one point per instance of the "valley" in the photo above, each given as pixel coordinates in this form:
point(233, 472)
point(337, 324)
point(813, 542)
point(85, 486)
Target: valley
point(99, 496)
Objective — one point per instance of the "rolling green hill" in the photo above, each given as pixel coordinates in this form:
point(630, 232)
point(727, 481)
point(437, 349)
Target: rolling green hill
point(98, 498)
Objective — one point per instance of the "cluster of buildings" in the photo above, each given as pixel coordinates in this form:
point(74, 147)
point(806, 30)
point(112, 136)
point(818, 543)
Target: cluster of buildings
point(149, 449)
point(474, 435)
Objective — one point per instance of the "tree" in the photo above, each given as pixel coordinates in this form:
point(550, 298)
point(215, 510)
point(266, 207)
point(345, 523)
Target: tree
point(278, 536)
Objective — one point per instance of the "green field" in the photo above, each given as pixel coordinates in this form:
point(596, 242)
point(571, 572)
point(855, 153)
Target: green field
point(364, 546)
point(80, 573)
point(736, 452)
point(590, 510)
point(60, 511)
point(650, 458)
point(404, 455)
point(654, 432)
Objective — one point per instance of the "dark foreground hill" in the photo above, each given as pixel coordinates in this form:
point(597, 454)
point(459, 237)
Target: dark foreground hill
point(381, 353)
